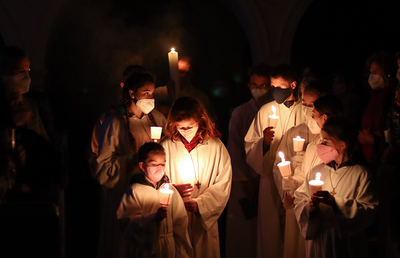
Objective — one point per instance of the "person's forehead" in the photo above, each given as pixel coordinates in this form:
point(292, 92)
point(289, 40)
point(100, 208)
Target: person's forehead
point(186, 122)
point(258, 78)
point(184, 65)
point(147, 87)
point(279, 81)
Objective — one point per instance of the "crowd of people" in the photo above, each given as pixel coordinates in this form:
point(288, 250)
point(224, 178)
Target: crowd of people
point(350, 145)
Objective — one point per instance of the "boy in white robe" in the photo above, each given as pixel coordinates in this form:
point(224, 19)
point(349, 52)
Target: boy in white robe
point(261, 143)
point(335, 219)
point(153, 230)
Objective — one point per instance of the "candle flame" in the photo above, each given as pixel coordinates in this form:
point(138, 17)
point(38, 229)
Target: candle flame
point(282, 156)
point(173, 50)
point(166, 186)
point(318, 176)
point(298, 137)
point(273, 109)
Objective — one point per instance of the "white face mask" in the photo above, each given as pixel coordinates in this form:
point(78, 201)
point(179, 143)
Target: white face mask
point(398, 74)
point(307, 111)
point(145, 105)
point(258, 93)
point(155, 173)
point(20, 82)
point(189, 134)
point(376, 81)
point(313, 126)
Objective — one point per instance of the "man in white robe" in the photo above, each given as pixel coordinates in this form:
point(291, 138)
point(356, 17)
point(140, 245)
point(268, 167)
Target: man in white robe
point(210, 164)
point(261, 144)
point(242, 205)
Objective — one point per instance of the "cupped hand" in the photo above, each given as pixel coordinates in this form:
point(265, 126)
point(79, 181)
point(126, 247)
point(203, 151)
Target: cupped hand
point(185, 190)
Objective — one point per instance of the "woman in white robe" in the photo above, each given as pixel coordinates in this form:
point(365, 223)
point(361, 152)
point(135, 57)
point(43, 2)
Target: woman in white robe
point(199, 166)
point(335, 219)
point(112, 154)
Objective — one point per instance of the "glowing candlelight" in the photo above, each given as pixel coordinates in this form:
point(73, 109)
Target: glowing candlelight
point(155, 133)
point(298, 144)
point(173, 69)
point(13, 138)
point(284, 166)
point(165, 195)
point(316, 185)
point(273, 119)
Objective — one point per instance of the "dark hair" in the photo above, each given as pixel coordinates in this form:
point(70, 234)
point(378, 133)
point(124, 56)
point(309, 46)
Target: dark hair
point(187, 108)
point(147, 148)
point(261, 69)
point(135, 82)
point(11, 56)
point(383, 60)
point(343, 129)
point(287, 72)
point(131, 69)
point(330, 105)
point(318, 87)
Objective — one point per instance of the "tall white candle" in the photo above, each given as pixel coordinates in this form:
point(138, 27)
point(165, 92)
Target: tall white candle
point(284, 166)
point(298, 144)
point(173, 69)
point(165, 195)
point(316, 185)
point(273, 119)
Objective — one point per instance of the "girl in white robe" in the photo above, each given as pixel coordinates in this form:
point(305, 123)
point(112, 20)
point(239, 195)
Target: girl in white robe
point(335, 219)
point(116, 139)
point(153, 230)
point(199, 166)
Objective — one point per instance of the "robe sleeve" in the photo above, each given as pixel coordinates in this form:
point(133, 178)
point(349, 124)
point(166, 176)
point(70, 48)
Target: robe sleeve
point(354, 215)
point(109, 167)
point(183, 248)
point(142, 229)
point(213, 200)
point(254, 144)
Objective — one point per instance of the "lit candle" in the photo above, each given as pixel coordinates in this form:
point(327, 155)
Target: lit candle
point(165, 195)
point(316, 185)
point(273, 119)
point(13, 138)
point(298, 144)
point(284, 166)
point(173, 69)
point(155, 133)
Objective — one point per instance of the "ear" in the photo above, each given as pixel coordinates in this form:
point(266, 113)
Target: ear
point(324, 117)
point(121, 84)
point(293, 85)
point(342, 146)
point(141, 165)
point(132, 94)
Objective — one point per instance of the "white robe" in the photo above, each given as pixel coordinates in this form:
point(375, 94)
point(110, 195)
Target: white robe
point(108, 160)
point(236, 244)
point(270, 210)
point(341, 233)
point(294, 243)
point(212, 166)
point(137, 218)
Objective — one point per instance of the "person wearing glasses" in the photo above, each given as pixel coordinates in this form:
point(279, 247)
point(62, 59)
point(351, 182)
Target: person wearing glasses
point(242, 206)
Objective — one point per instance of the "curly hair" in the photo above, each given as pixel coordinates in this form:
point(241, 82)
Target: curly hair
point(189, 108)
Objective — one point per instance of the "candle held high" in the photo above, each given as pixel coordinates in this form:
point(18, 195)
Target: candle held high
point(284, 166)
point(273, 119)
point(173, 69)
point(316, 185)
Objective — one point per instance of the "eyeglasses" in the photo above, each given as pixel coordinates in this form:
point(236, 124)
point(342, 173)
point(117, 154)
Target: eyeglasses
point(262, 86)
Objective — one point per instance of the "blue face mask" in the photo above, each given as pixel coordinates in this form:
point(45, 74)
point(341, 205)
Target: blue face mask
point(280, 95)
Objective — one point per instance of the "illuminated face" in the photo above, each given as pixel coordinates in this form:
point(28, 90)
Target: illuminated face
point(319, 118)
point(22, 67)
point(145, 92)
point(154, 167)
point(309, 98)
point(259, 82)
point(186, 124)
point(183, 68)
point(279, 82)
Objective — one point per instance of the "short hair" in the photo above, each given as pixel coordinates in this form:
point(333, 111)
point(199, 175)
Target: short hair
point(187, 108)
point(11, 56)
point(147, 148)
point(319, 87)
point(287, 72)
point(261, 69)
point(330, 105)
point(343, 129)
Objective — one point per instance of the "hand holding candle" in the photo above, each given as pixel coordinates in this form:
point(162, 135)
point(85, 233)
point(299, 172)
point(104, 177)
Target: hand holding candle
point(155, 133)
point(298, 144)
point(316, 185)
point(273, 119)
point(284, 166)
point(165, 195)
